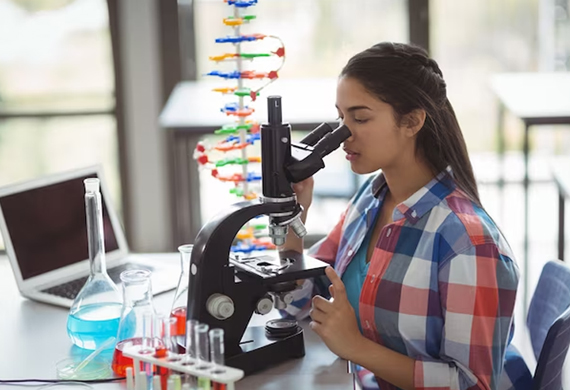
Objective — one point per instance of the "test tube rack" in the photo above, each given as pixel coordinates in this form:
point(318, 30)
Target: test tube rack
point(185, 364)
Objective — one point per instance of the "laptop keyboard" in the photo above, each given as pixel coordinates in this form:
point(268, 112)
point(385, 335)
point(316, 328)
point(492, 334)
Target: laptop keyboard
point(71, 289)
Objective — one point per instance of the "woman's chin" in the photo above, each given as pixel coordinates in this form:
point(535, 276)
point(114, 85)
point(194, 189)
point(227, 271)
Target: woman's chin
point(361, 169)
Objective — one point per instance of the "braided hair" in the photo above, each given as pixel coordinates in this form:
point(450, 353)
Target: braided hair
point(405, 77)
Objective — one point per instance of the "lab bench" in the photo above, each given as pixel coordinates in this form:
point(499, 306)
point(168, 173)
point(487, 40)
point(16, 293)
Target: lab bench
point(33, 338)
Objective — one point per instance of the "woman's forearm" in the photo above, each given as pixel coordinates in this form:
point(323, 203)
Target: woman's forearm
point(389, 365)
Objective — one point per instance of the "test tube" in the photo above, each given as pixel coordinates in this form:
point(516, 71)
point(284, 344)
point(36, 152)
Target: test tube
point(167, 346)
point(156, 383)
point(167, 343)
point(202, 352)
point(177, 380)
point(130, 378)
point(141, 381)
point(147, 343)
point(190, 352)
point(191, 338)
point(217, 354)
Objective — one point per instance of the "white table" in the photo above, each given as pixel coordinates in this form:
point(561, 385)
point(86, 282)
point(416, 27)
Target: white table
point(537, 99)
point(561, 176)
point(33, 338)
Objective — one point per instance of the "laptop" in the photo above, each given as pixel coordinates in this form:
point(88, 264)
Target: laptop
point(43, 225)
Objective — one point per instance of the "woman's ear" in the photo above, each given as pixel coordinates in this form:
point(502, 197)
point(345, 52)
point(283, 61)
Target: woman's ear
point(414, 121)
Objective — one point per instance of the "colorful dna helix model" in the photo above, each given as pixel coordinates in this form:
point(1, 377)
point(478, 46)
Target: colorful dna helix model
point(243, 132)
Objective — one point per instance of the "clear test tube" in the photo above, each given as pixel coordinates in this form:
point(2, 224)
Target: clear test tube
point(141, 381)
point(166, 327)
point(191, 338)
point(161, 350)
point(147, 343)
point(217, 354)
point(171, 323)
point(203, 353)
point(130, 378)
point(167, 344)
point(190, 346)
point(156, 383)
point(177, 380)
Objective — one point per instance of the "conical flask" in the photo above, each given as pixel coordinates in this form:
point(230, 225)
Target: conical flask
point(181, 295)
point(95, 313)
point(137, 319)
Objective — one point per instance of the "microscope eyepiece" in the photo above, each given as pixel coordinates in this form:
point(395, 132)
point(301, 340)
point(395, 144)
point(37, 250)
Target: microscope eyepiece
point(274, 110)
point(315, 136)
point(332, 141)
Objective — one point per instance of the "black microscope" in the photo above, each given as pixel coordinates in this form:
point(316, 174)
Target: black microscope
point(225, 289)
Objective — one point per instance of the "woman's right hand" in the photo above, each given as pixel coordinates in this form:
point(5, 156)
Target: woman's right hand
point(304, 192)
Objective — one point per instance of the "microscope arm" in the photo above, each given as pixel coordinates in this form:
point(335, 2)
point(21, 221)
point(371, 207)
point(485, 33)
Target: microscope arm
point(225, 293)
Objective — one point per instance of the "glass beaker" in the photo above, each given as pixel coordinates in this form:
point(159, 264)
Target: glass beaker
point(137, 319)
point(181, 295)
point(95, 312)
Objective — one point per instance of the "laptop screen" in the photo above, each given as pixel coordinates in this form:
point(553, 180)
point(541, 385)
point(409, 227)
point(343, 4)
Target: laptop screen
point(48, 227)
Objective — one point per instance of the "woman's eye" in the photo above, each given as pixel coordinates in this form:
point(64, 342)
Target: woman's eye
point(360, 121)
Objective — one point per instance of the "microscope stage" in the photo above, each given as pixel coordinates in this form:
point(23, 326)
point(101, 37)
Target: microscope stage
point(278, 266)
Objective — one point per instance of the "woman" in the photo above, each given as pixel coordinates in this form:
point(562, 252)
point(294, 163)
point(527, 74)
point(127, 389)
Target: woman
point(424, 284)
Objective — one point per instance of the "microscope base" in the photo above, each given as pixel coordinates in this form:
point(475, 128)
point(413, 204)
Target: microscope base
point(260, 352)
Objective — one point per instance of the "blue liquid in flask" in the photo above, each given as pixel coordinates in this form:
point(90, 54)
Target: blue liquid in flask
point(92, 325)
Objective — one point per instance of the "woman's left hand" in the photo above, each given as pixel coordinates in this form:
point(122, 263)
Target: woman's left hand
point(335, 321)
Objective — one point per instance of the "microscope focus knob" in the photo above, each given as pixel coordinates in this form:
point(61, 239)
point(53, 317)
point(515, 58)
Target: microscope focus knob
point(220, 306)
point(287, 298)
point(264, 305)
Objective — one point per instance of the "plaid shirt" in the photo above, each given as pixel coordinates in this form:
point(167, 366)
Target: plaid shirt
point(440, 288)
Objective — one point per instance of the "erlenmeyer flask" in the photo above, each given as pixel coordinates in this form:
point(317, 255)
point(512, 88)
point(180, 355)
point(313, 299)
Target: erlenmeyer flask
point(137, 319)
point(95, 312)
point(181, 294)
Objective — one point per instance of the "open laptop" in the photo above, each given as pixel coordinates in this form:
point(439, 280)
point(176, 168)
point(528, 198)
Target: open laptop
point(44, 228)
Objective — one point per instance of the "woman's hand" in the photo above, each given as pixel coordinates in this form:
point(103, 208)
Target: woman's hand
point(335, 321)
point(304, 192)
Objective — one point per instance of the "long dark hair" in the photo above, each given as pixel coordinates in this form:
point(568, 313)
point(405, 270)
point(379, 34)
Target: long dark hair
point(406, 78)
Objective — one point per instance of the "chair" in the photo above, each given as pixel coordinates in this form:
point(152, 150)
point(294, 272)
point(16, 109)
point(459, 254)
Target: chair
point(548, 322)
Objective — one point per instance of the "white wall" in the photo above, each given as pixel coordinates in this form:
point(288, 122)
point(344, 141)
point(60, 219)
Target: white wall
point(149, 222)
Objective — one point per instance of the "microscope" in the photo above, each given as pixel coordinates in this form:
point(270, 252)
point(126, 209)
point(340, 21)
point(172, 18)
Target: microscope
point(225, 289)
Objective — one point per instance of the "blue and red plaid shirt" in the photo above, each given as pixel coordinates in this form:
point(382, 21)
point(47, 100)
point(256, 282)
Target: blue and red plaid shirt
point(440, 287)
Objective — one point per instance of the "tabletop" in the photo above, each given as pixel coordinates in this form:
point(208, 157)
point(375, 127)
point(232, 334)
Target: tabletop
point(33, 338)
point(561, 174)
point(534, 95)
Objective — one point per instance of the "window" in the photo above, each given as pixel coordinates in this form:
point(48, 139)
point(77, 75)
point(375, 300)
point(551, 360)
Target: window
point(473, 39)
point(56, 89)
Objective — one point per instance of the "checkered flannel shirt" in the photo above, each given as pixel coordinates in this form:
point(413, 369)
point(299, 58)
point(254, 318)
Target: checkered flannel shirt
point(440, 288)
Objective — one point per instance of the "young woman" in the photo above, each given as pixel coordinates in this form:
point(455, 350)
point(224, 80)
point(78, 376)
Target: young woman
point(423, 284)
